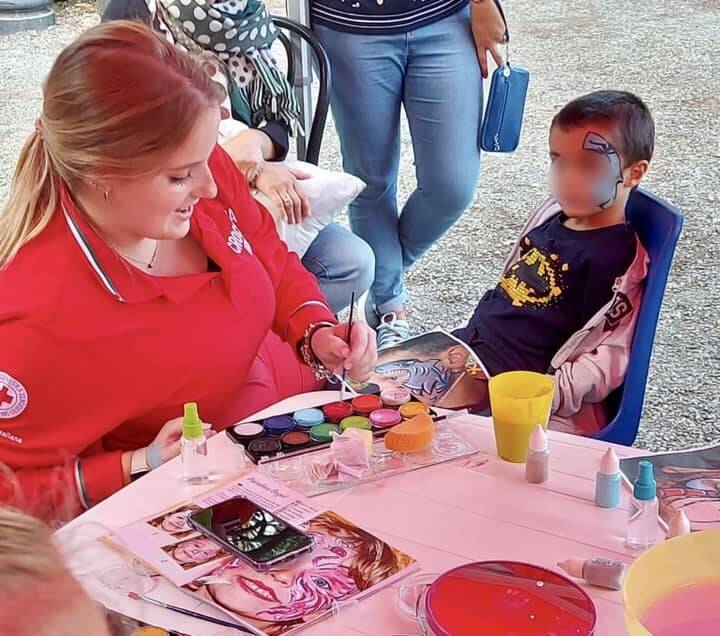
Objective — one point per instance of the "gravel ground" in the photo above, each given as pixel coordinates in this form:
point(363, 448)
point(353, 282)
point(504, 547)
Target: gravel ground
point(663, 52)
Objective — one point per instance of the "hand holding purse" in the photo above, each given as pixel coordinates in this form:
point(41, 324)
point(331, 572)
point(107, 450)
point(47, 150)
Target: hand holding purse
point(502, 120)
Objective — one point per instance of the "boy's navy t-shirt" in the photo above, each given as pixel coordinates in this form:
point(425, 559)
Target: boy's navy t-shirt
point(562, 278)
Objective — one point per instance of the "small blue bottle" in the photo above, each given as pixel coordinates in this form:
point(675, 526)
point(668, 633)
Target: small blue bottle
point(608, 481)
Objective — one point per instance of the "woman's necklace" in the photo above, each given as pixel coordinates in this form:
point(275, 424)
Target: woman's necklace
point(147, 264)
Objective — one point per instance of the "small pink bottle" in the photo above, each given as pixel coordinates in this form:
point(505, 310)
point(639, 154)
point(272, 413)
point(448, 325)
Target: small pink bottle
point(538, 457)
point(679, 525)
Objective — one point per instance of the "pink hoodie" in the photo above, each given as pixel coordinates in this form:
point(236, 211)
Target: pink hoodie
point(593, 362)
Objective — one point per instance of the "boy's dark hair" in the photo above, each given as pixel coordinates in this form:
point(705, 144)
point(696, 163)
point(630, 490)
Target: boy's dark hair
point(627, 112)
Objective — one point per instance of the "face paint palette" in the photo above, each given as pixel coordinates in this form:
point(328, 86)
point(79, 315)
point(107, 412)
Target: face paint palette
point(308, 430)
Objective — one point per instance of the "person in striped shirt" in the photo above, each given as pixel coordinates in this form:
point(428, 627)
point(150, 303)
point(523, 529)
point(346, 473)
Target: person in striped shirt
point(428, 58)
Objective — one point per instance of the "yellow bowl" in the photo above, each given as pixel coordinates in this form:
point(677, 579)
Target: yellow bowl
point(667, 566)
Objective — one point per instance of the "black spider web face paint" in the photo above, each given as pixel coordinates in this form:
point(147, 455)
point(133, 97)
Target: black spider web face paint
point(605, 190)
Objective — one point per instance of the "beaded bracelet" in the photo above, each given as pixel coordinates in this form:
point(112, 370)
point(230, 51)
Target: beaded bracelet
point(308, 355)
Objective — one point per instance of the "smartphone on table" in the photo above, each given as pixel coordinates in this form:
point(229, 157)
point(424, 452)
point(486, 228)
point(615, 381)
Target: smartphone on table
point(257, 536)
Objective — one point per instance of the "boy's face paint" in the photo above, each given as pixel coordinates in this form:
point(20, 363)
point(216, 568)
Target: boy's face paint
point(606, 186)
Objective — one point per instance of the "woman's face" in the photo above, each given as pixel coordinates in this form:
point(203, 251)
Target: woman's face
point(301, 587)
point(196, 551)
point(160, 205)
point(176, 522)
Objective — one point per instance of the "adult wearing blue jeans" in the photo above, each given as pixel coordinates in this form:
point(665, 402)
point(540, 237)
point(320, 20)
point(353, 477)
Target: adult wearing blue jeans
point(423, 57)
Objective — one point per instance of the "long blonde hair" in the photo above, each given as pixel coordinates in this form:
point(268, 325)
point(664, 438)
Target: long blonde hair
point(115, 100)
point(35, 585)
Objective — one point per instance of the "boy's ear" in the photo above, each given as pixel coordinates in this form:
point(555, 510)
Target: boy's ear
point(636, 173)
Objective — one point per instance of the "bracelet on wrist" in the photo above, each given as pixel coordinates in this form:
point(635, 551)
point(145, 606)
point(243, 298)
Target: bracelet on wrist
point(139, 464)
point(308, 355)
point(80, 485)
point(153, 456)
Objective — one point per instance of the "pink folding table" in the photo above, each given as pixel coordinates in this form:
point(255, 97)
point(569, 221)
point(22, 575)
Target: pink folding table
point(443, 516)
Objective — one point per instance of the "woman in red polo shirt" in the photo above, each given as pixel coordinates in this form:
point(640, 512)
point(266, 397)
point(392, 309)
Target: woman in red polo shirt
point(137, 273)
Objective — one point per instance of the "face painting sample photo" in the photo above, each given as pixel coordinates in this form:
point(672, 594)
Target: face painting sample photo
point(345, 561)
point(436, 368)
point(175, 522)
point(193, 552)
point(687, 481)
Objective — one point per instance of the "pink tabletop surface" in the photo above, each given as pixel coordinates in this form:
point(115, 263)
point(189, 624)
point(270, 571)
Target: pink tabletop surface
point(443, 516)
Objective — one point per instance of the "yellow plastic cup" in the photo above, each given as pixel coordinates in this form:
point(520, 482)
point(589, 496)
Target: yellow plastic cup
point(519, 400)
point(687, 560)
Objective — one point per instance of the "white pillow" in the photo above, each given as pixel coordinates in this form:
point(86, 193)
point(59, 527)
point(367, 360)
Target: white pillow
point(328, 193)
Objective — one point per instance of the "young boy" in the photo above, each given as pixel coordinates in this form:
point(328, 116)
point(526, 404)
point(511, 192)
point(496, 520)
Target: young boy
point(565, 304)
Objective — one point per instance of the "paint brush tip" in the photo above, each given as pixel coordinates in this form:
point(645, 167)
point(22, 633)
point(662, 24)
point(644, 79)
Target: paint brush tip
point(134, 596)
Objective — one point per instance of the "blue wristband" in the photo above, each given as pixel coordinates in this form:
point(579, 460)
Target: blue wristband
point(152, 457)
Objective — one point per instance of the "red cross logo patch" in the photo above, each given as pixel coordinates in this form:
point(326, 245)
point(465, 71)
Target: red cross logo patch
point(13, 396)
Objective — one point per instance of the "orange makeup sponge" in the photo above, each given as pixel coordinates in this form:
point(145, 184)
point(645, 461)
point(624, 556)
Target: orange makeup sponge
point(412, 436)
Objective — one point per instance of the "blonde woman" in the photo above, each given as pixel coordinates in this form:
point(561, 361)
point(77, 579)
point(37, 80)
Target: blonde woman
point(138, 274)
point(39, 595)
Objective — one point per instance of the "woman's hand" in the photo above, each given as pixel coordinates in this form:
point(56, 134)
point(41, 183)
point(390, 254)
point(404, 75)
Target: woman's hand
point(164, 447)
point(488, 31)
point(280, 184)
point(250, 149)
point(166, 444)
point(359, 358)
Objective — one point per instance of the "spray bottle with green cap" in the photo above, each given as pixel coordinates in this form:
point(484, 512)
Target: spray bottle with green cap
point(193, 447)
point(643, 521)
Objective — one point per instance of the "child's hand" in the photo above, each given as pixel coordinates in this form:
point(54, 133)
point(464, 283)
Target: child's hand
point(488, 31)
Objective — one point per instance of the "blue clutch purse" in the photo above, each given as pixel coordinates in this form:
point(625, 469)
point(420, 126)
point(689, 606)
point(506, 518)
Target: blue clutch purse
point(502, 120)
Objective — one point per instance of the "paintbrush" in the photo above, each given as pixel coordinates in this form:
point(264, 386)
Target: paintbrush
point(186, 612)
point(450, 416)
point(348, 339)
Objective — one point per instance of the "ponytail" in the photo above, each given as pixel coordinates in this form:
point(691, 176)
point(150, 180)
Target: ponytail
point(115, 101)
point(34, 195)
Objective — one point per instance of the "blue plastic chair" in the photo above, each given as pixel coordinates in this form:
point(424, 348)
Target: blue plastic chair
point(658, 224)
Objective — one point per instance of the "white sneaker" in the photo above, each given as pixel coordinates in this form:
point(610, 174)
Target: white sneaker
point(366, 305)
point(392, 331)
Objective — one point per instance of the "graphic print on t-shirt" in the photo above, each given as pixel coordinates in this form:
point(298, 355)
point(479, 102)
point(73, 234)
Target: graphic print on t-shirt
point(536, 280)
point(236, 241)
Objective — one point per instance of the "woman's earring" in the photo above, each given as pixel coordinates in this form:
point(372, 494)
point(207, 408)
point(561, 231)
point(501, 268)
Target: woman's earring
point(106, 194)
